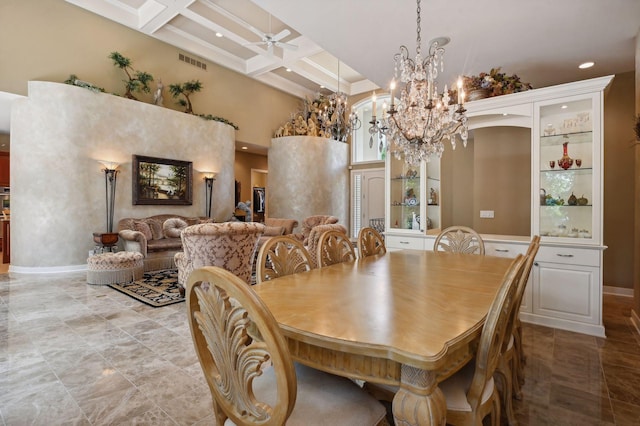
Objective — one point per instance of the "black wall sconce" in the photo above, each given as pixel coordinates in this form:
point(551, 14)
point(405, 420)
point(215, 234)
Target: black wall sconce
point(209, 177)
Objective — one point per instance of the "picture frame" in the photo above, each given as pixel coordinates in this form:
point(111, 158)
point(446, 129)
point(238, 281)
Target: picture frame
point(161, 181)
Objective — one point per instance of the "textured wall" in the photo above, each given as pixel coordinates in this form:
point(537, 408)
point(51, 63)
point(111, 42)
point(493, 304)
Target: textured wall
point(57, 136)
point(308, 176)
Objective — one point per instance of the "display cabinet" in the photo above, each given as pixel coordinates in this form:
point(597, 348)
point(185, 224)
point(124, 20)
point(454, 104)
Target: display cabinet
point(565, 286)
point(568, 157)
point(413, 201)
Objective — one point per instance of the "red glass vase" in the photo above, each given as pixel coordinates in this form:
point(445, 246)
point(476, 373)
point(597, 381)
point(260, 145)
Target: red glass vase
point(565, 162)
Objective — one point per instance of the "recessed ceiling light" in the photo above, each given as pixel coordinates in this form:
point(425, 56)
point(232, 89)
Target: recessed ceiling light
point(504, 114)
point(586, 65)
point(322, 86)
point(244, 147)
point(218, 34)
point(564, 107)
point(288, 69)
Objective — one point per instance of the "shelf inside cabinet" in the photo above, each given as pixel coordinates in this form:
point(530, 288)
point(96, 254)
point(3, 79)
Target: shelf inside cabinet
point(572, 169)
point(574, 138)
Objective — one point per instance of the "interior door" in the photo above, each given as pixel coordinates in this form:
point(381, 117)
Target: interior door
point(367, 189)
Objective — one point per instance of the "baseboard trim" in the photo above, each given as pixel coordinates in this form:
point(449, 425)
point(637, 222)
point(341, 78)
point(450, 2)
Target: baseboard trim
point(47, 269)
point(635, 320)
point(618, 291)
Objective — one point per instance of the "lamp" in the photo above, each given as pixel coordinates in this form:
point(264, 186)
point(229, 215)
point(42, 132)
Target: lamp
point(335, 120)
point(209, 177)
point(110, 176)
point(108, 240)
point(423, 118)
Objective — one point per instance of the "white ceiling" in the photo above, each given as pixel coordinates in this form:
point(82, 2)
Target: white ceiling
point(542, 41)
point(192, 25)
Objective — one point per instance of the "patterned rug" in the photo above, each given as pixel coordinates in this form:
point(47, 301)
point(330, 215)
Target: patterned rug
point(156, 288)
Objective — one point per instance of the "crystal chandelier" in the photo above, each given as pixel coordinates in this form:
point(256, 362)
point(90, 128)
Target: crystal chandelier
point(335, 120)
point(423, 118)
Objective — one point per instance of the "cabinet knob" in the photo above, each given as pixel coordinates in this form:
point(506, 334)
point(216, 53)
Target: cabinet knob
point(536, 263)
point(404, 242)
point(502, 250)
point(564, 255)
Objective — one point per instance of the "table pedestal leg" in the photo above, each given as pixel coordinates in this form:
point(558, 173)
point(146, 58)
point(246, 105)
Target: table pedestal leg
point(419, 401)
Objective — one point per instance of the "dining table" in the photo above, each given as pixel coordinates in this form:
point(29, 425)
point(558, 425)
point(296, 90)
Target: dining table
point(406, 318)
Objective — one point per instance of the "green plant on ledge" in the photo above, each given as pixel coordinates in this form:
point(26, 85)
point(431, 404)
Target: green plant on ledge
point(220, 119)
point(74, 81)
point(137, 80)
point(636, 128)
point(186, 90)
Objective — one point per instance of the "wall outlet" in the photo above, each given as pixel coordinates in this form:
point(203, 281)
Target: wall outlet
point(486, 214)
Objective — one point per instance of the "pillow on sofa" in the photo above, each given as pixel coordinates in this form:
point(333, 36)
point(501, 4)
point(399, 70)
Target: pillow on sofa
point(142, 226)
point(156, 228)
point(173, 227)
point(272, 231)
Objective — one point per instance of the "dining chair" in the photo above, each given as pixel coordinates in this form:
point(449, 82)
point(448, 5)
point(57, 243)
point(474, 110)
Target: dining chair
point(471, 393)
point(505, 375)
point(246, 362)
point(520, 358)
point(281, 256)
point(459, 239)
point(334, 247)
point(370, 242)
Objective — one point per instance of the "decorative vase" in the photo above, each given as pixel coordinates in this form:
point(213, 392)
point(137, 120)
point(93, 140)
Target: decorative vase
point(476, 94)
point(565, 162)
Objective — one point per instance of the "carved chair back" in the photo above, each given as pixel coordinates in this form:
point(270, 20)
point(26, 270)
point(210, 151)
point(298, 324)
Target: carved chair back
point(459, 239)
point(334, 247)
point(236, 339)
point(370, 242)
point(280, 256)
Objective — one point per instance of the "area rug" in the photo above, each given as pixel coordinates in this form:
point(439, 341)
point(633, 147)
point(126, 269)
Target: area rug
point(156, 288)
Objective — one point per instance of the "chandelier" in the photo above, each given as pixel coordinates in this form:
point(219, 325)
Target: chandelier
point(336, 121)
point(423, 118)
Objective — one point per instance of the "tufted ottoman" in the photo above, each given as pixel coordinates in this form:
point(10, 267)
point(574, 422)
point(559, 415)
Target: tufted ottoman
point(111, 268)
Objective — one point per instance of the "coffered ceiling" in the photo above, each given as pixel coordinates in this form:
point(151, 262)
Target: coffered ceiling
point(239, 35)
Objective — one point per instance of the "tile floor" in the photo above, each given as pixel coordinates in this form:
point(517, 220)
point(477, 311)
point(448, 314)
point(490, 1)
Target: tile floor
point(77, 354)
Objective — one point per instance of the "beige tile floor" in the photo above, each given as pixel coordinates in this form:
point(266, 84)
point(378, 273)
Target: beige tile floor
point(77, 354)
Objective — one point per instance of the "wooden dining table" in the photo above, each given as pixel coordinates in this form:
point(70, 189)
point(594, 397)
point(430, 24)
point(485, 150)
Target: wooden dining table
point(406, 318)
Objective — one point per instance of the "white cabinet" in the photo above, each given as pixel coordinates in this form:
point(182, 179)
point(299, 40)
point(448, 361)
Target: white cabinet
point(566, 122)
point(567, 289)
point(412, 202)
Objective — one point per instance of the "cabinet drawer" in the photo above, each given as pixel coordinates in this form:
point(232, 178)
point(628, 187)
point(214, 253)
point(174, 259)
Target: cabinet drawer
point(502, 249)
point(569, 256)
point(404, 242)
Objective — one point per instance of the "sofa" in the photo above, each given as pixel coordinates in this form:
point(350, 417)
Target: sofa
point(277, 226)
point(157, 238)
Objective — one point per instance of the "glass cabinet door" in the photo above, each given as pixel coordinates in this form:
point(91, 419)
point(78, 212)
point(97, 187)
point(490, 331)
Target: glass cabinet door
point(569, 170)
point(406, 194)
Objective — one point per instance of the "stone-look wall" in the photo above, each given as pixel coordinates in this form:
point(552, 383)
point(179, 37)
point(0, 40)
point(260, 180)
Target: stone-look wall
point(59, 133)
point(308, 176)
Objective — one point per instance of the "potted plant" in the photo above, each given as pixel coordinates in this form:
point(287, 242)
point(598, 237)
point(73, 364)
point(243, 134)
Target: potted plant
point(493, 83)
point(636, 128)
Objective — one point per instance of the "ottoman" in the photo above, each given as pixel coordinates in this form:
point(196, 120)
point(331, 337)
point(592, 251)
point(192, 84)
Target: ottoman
point(111, 268)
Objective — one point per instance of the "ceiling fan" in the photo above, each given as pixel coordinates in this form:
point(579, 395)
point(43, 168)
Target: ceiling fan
point(269, 39)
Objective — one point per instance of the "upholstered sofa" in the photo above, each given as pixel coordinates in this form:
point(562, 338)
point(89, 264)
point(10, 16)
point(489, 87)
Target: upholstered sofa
point(277, 226)
point(156, 237)
point(311, 222)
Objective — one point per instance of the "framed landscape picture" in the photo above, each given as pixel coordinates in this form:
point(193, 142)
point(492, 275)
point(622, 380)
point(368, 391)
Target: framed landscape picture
point(162, 181)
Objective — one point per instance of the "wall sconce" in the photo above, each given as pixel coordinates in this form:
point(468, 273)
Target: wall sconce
point(209, 177)
point(110, 176)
